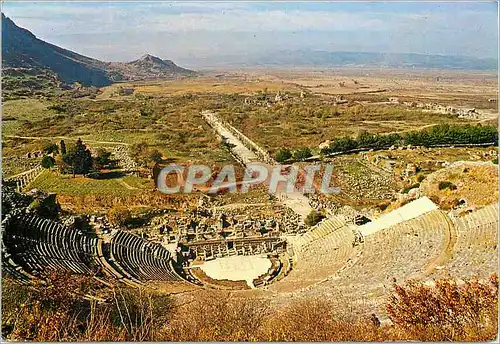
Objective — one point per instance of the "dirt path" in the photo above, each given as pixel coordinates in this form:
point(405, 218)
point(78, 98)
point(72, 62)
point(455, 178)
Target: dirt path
point(237, 147)
point(65, 138)
point(296, 201)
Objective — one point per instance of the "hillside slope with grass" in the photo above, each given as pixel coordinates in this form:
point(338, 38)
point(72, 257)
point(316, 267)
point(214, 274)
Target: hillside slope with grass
point(21, 49)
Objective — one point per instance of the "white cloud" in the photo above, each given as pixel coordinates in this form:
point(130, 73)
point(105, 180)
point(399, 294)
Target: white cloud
point(250, 21)
point(122, 31)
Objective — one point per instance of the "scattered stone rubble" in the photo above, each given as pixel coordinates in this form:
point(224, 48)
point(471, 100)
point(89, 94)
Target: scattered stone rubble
point(121, 153)
point(450, 110)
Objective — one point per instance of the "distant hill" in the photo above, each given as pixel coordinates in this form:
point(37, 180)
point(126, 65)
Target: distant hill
point(369, 59)
point(149, 66)
point(332, 59)
point(23, 50)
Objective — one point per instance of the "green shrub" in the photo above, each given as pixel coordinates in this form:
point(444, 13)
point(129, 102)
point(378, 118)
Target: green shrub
point(313, 218)
point(119, 216)
point(46, 206)
point(48, 161)
point(408, 188)
point(51, 148)
point(302, 154)
point(103, 158)
point(283, 155)
point(446, 185)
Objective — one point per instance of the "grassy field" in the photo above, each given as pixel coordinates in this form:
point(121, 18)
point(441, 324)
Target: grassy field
point(165, 115)
point(17, 114)
point(64, 184)
point(171, 125)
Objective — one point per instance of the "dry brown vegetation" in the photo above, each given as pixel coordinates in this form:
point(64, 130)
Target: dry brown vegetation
point(459, 88)
point(476, 184)
point(443, 312)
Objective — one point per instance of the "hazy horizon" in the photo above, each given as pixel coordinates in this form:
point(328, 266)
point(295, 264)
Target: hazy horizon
point(197, 34)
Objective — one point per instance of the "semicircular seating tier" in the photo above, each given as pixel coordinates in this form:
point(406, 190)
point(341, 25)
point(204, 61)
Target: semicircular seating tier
point(37, 245)
point(140, 259)
point(475, 252)
point(33, 245)
point(319, 253)
point(399, 252)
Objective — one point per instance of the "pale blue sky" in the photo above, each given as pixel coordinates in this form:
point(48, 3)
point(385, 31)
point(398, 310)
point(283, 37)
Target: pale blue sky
point(190, 32)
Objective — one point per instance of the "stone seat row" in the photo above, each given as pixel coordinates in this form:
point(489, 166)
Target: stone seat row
point(13, 269)
point(322, 229)
point(394, 254)
point(141, 259)
point(328, 250)
point(37, 245)
point(324, 257)
point(476, 249)
point(401, 250)
point(32, 226)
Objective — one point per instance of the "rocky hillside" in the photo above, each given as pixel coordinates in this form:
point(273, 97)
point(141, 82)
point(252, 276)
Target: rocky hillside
point(23, 50)
point(148, 67)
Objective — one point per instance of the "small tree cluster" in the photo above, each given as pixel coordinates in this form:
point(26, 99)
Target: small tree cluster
point(79, 159)
point(443, 134)
point(51, 148)
point(48, 161)
point(283, 155)
point(302, 154)
point(102, 159)
point(446, 185)
point(299, 154)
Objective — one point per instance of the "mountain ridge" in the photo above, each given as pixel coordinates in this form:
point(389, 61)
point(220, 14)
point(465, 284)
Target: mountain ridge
point(332, 59)
point(22, 49)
